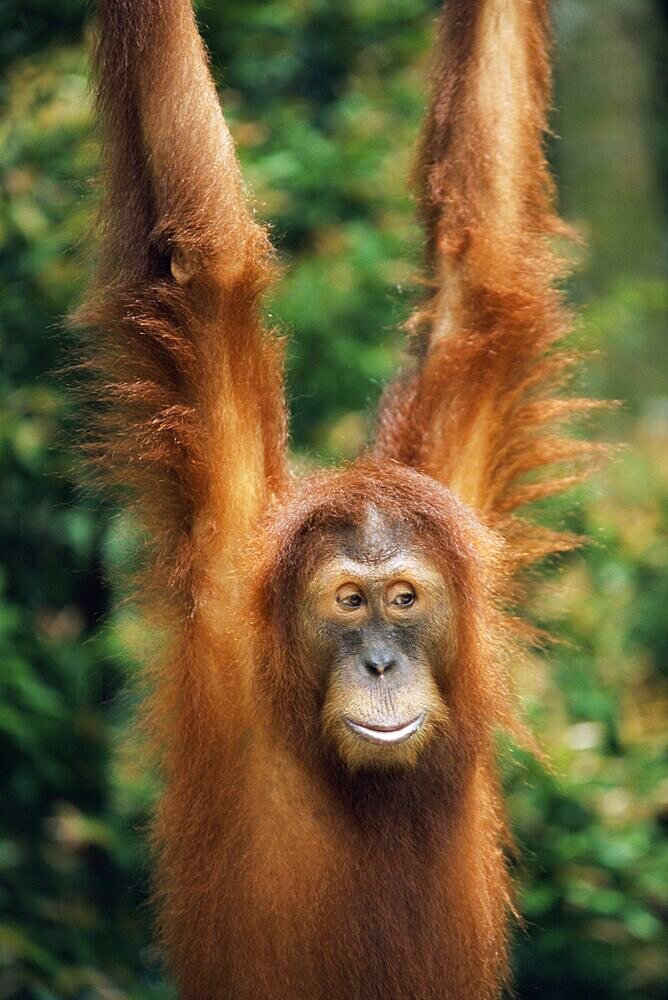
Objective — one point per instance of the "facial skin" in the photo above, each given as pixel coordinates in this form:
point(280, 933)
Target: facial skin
point(376, 617)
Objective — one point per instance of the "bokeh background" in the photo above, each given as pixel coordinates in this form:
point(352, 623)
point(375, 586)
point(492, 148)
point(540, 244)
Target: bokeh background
point(324, 98)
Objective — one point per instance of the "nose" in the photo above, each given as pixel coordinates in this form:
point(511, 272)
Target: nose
point(379, 661)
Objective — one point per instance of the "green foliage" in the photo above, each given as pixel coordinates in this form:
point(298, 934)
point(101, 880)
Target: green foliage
point(324, 100)
point(593, 837)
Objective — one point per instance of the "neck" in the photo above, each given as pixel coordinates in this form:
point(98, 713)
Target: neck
point(421, 798)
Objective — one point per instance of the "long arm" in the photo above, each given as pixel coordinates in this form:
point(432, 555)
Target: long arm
point(481, 408)
point(189, 411)
point(189, 384)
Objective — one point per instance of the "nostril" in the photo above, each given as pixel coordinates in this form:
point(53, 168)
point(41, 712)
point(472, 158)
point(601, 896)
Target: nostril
point(379, 665)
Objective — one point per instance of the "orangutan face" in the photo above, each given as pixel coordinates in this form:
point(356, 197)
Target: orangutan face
point(376, 619)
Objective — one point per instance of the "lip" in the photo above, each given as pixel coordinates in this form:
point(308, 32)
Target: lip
point(386, 735)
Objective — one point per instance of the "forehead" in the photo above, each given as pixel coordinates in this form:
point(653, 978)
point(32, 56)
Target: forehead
point(374, 549)
point(377, 539)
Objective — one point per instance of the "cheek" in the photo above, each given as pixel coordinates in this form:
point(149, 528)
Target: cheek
point(324, 652)
point(435, 637)
point(427, 643)
point(335, 646)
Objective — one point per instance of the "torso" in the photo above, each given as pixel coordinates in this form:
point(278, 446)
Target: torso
point(314, 907)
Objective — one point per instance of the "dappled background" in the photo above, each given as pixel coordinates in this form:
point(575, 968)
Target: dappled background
point(324, 99)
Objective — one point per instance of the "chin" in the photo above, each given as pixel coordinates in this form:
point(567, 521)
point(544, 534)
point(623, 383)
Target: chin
point(382, 745)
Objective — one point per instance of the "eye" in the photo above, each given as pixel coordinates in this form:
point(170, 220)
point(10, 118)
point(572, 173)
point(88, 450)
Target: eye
point(401, 595)
point(349, 597)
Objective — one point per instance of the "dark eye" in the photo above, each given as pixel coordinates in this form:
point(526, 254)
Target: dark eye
point(400, 594)
point(349, 597)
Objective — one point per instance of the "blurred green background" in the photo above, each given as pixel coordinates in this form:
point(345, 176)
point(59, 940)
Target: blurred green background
point(324, 98)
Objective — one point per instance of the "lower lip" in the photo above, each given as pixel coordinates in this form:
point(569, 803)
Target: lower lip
point(387, 737)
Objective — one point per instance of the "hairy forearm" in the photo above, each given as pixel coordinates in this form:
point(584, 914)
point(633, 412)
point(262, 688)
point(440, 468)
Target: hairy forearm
point(485, 190)
point(161, 125)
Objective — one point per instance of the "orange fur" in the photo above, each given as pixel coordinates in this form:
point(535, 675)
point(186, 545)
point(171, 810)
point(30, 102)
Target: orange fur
point(481, 407)
point(280, 875)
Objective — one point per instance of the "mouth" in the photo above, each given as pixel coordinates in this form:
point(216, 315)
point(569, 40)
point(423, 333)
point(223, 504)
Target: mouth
point(386, 735)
